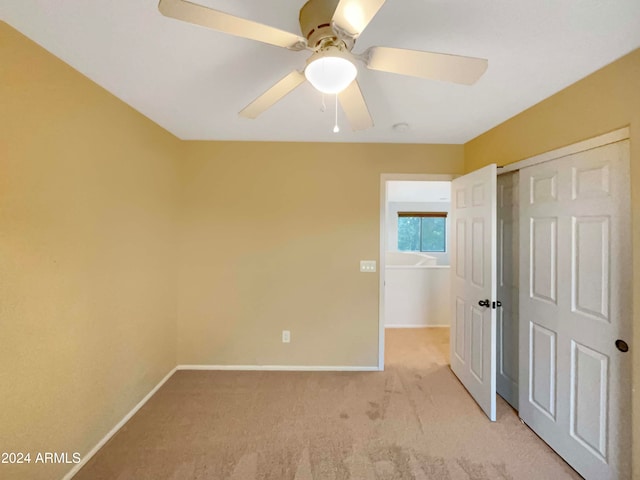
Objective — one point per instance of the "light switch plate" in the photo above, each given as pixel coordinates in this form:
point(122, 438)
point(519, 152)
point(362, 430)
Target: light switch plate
point(368, 266)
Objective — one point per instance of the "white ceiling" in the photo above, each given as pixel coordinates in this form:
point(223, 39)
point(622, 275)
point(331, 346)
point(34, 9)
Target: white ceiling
point(418, 191)
point(193, 81)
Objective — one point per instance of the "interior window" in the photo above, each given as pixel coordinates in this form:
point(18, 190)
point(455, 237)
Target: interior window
point(422, 231)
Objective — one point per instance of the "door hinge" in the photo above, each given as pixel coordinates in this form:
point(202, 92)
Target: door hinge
point(496, 304)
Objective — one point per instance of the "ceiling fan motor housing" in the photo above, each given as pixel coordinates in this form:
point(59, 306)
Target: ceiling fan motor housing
point(315, 24)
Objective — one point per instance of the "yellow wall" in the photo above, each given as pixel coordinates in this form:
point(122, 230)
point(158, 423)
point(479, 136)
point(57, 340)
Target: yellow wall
point(87, 239)
point(271, 239)
point(604, 101)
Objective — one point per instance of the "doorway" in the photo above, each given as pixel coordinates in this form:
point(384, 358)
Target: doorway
point(414, 282)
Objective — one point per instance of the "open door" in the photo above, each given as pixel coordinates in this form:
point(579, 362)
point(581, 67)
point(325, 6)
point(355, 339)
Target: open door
point(473, 288)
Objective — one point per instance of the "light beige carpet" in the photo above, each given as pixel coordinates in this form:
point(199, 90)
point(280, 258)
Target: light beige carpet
point(412, 421)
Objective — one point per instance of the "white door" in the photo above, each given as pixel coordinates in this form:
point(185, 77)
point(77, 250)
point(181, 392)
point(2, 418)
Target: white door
point(575, 308)
point(473, 268)
point(508, 263)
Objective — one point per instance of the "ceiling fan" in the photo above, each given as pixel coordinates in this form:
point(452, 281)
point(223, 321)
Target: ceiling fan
point(330, 29)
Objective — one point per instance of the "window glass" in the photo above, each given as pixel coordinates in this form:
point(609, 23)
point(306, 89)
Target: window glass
point(409, 234)
point(433, 234)
point(422, 233)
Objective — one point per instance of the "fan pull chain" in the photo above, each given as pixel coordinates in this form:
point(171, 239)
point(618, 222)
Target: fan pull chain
point(323, 108)
point(336, 128)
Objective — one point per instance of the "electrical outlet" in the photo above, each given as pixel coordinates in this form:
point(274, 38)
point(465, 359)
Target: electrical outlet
point(286, 336)
point(368, 266)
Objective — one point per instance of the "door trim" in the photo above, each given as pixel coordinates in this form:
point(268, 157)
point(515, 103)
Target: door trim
point(595, 142)
point(384, 178)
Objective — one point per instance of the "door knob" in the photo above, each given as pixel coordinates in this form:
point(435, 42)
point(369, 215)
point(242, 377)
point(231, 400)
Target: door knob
point(622, 346)
point(484, 303)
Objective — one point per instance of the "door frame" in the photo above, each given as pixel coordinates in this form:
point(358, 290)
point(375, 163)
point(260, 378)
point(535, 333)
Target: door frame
point(594, 142)
point(384, 178)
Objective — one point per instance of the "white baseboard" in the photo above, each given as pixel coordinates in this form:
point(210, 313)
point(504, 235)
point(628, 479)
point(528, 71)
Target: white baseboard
point(278, 368)
point(416, 326)
point(117, 427)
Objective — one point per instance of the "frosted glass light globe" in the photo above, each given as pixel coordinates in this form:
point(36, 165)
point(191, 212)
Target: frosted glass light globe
point(330, 74)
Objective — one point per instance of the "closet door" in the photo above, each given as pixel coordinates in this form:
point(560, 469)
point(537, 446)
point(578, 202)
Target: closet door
point(508, 263)
point(575, 308)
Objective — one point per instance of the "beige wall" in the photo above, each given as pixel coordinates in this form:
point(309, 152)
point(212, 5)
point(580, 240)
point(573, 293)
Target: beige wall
point(604, 101)
point(271, 239)
point(97, 204)
point(87, 240)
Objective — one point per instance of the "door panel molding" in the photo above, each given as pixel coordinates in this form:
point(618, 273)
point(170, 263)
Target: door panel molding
point(543, 377)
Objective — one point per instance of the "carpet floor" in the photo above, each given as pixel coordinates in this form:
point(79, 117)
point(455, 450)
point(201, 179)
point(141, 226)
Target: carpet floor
point(414, 421)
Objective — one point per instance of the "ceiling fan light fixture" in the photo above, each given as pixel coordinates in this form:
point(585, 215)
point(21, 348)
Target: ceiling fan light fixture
point(330, 28)
point(330, 71)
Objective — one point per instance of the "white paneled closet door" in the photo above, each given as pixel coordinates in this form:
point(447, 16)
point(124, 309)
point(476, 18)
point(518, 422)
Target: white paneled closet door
point(575, 308)
point(508, 263)
point(473, 285)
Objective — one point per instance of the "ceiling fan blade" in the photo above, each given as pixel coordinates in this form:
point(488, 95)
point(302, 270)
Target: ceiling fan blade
point(355, 107)
point(433, 66)
point(353, 16)
point(281, 89)
point(224, 22)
